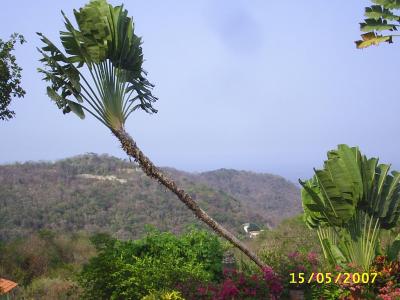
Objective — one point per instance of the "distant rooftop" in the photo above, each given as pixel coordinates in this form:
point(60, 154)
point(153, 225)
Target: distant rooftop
point(6, 285)
point(249, 227)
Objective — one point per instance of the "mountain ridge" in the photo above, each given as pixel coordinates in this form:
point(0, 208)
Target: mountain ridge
point(102, 193)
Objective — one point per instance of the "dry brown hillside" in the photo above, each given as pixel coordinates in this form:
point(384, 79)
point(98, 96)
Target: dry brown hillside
point(102, 193)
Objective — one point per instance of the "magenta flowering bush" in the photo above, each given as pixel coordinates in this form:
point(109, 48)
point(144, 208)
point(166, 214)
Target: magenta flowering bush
point(298, 262)
point(303, 262)
point(237, 285)
point(273, 281)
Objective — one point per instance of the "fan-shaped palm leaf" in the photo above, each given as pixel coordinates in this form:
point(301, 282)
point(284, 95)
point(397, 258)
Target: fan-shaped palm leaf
point(354, 197)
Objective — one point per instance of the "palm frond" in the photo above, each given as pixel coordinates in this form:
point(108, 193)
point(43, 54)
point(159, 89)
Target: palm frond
point(105, 46)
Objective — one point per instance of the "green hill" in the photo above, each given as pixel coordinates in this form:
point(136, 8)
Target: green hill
point(102, 193)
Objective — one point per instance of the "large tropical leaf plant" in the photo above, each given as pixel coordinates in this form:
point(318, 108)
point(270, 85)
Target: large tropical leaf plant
point(101, 73)
point(382, 20)
point(350, 202)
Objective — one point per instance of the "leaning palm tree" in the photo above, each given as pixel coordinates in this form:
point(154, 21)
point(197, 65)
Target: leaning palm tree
point(101, 74)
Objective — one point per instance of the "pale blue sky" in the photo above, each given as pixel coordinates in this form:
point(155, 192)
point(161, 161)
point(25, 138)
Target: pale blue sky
point(258, 85)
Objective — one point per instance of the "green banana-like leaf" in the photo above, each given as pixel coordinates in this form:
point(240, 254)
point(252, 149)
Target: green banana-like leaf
point(368, 170)
point(388, 4)
point(381, 17)
point(72, 41)
point(60, 71)
point(312, 204)
point(394, 249)
point(125, 50)
point(65, 104)
point(377, 12)
point(386, 203)
point(356, 242)
point(350, 182)
point(333, 254)
point(332, 195)
point(76, 108)
point(58, 99)
point(360, 238)
point(377, 25)
point(88, 44)
point(372, 39)
point(105, 32)
point(381, 192)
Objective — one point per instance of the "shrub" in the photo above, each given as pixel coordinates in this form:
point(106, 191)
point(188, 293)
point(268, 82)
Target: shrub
point(44, 254)
point(51, 288)
point(159, 261)
point(292, 234)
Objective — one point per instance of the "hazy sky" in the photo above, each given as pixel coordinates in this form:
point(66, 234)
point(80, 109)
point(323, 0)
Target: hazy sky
point(257, 85)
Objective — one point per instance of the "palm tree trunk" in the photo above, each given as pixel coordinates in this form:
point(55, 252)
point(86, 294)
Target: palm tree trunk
point(130, 147)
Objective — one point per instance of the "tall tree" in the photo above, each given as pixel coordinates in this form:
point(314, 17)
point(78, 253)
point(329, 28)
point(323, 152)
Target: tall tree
point(101, 74)
point(10, 76)
point(382, 19)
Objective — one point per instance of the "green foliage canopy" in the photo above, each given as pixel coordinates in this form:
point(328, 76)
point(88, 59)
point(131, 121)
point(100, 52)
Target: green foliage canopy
point(382, 19)
point(104, 43)
point(133, 269)
point(10, 76)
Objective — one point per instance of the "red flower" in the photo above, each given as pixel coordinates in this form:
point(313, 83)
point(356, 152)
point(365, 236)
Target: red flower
point(294, 255)
point(312, 258)
point(229, 289)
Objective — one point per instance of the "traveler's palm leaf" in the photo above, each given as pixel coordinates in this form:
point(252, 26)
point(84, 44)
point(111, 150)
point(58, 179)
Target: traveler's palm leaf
point(101, 72)
point(331, 196)
point(352, 198)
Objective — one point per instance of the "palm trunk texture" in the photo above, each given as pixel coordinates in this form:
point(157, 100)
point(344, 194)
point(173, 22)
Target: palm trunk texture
point(130, 147)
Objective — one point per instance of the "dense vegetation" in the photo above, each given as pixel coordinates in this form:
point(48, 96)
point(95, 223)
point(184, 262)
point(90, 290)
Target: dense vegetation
point(48, 195)
point(10, 75)
point(46, 264)
point(159, 261)
point(50, 265)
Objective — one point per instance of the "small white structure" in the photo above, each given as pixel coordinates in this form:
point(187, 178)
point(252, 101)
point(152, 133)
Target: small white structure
point(253, 234)
point(251, 229)
point(98, 177)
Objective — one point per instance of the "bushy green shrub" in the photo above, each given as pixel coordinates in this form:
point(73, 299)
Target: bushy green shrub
point(159, 261)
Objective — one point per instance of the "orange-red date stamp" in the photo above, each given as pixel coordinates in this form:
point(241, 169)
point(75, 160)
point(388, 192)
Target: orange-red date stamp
point(326, 278)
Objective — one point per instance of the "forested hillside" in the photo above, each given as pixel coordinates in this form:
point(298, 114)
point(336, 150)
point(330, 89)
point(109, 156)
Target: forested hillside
point(101, 193)
point(264, 196)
